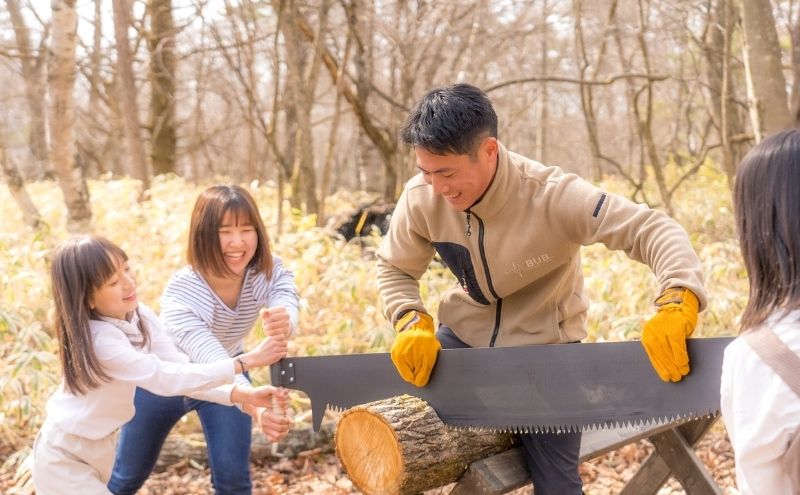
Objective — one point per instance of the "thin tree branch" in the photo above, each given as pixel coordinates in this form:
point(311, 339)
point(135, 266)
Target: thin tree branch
point(570, 80)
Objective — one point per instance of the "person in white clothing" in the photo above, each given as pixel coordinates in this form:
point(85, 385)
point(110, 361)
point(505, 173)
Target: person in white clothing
point(210, 306)
point(109, 344)
point(760, 410)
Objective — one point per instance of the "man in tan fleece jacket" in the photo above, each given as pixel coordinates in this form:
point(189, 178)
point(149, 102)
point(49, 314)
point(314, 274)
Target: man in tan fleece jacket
point(510, 229)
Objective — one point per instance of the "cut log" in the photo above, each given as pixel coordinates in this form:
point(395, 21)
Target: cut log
point(192, 447)
point(400, 446)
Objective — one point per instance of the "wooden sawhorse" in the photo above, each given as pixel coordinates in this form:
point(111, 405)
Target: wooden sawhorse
point(673, 456)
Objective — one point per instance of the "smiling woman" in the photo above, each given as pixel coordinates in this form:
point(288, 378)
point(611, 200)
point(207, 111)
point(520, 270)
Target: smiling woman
point(210, 306)
point(226, 237)
point(238, 239)
point(109, 345)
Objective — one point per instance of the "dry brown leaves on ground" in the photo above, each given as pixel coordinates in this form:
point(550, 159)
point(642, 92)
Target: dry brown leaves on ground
point(313, 472)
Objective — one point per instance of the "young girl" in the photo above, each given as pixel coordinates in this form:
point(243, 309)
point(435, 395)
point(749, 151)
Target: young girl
point(761, 411)
point(109, 344)
point(209, 307)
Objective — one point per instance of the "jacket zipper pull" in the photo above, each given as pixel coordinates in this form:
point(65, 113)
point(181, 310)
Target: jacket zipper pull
point(469, 228)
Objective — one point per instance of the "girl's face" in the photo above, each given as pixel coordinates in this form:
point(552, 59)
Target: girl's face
point(238, 240)
point(117, 296)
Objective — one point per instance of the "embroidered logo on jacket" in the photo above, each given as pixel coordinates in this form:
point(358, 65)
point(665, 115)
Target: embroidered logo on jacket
point(528, 264)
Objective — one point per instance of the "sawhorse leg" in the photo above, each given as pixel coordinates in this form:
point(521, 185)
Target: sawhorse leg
point(675, 455)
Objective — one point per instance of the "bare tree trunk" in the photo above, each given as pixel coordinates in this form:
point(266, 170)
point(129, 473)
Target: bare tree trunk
point(161, 44)
point(115, 142)
point(769, 106)
point(91, 142)
point(33, 65)
point(127, 93)
point(251, 166)
point(795, 94)
point(646, 120)
point(724, 110)
point(61, 83)
point(282, 161)
point(541, 128)
point(16, 186)
point(381, 137)
point(587, 95)
point(587, 104)
point(327, 166)
point(252, 106)
point(94, 59)
point(289, 159)
point(682, 102)
point(635, 149)
point(360, 24)
point(302, 74)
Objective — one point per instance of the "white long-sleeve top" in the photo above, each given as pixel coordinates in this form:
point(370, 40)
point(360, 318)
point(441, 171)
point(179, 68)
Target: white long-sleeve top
point(160, 369)
point(760, 411)
point(206, 328)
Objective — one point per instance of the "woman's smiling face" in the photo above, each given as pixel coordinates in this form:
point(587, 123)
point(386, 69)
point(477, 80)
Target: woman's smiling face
point(238, 241)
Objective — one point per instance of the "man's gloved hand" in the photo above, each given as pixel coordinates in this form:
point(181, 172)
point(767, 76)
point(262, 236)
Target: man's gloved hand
point(415, 347)
point(664, 335)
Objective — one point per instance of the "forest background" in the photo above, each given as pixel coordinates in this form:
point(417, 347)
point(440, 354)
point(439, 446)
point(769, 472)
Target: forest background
point(116, 113)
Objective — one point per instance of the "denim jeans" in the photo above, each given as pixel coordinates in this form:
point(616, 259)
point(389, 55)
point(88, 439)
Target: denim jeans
point(226, 428)
point(553, 458)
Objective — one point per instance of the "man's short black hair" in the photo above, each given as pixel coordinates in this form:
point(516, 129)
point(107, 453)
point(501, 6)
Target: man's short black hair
point(451, 120)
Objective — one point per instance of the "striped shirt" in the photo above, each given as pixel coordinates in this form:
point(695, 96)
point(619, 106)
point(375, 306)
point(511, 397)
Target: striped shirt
point(206, 328)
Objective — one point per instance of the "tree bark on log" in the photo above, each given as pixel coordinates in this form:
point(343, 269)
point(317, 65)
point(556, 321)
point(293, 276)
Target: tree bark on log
point(400, 446)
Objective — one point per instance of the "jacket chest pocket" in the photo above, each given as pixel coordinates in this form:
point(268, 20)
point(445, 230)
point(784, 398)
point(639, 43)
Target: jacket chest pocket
point(459, 262)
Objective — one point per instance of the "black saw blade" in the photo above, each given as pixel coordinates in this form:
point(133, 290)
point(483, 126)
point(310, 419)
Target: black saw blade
point(558, 387)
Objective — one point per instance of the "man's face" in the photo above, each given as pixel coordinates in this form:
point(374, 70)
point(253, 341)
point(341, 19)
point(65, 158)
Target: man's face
point(460, 179)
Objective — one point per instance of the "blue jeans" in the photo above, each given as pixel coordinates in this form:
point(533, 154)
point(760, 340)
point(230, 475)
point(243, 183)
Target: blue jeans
point(553, 458)
point(226, 428)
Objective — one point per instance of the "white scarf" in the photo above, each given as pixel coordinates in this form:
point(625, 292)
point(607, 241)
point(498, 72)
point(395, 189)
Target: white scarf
point(129, 328)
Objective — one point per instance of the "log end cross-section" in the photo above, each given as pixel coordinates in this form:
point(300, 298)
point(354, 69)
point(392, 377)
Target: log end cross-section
point(400, 446)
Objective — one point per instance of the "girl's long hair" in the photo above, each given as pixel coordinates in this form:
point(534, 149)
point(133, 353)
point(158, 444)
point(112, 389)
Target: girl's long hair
point(204, 252)
point(81, 265)
point(767, 204)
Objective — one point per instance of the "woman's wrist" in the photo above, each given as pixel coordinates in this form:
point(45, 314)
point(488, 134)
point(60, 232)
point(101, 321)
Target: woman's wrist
point(241, 363)
point(256, 413)
point(249, 409)
point(236, 395)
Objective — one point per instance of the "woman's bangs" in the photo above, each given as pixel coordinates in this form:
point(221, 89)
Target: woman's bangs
point(240, 210)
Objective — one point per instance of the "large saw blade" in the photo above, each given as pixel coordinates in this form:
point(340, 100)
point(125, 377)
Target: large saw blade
point(559, 387)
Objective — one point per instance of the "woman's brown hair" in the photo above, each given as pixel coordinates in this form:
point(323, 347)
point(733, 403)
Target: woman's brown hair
point(204, 252)
point(767, 204)
point(80, 266)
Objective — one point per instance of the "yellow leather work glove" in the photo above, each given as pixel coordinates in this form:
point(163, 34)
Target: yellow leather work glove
point(664, 335)
point(415, 347)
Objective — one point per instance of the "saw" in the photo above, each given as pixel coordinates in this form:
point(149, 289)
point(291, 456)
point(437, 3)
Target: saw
point(539, 388)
